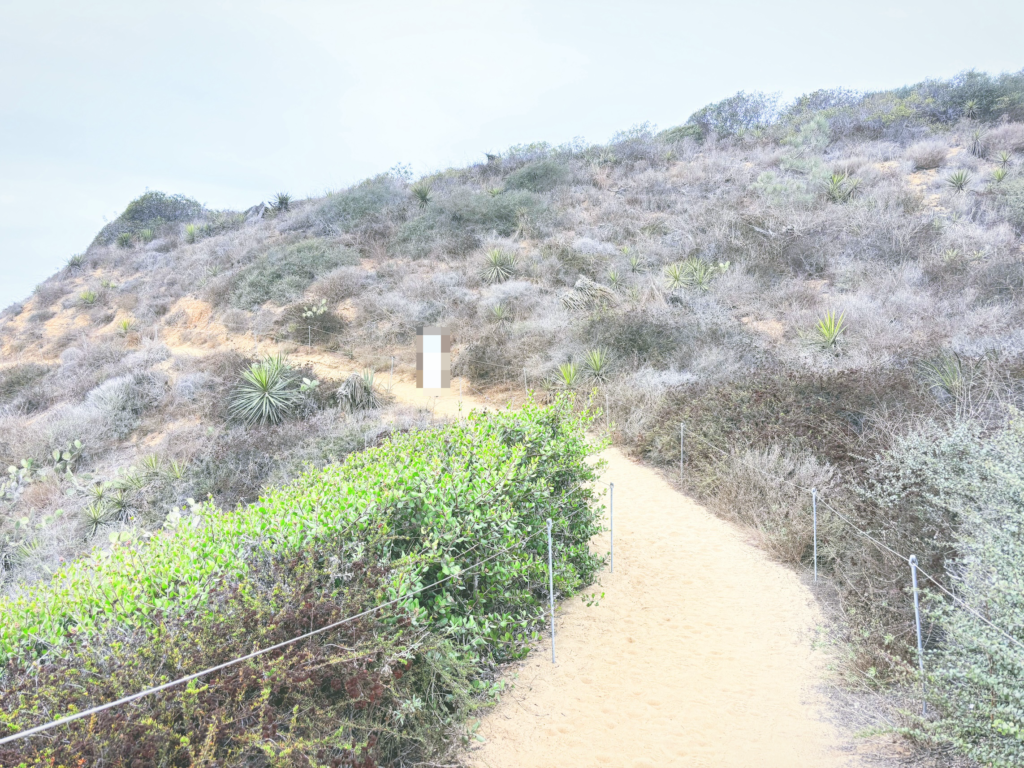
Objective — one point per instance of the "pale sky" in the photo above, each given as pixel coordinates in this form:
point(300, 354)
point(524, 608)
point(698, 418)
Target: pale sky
point(230, 102)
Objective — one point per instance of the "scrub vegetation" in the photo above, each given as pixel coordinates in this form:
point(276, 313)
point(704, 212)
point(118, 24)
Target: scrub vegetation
point(828, 290)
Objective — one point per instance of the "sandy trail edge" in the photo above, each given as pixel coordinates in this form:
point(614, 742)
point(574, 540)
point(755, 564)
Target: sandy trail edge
point(700, 654)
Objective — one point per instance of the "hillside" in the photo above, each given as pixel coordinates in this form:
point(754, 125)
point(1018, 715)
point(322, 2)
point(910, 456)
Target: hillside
point(828, 291)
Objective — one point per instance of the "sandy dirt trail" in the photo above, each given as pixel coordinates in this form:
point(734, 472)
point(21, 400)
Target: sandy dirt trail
point(699, 655)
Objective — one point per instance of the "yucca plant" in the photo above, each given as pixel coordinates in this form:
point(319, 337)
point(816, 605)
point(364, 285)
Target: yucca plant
point(614, 280)
point(569, 375)
point(675, 276)
point(151, 465)
point(421, 191)
point(701, 273)
point(359, 392)
point(959, 180)
point(971, 109)
point(499, 266)
point(950, 255)
point(501, 315)
point(131, 481)
point(636, 263)
point(596, 361)
point(999, 174)
point(945, 373)
point(176, 470)
point(1004, 158)
point(829, 329)
point(125, 239)
point(88, 297)
point(95, 516)
point(75, 263)
point(282, 201)
point(147, 235)
point(977, 145)
point(191, 233)
point(125, 325)
point(840, 188)
point(266, 394)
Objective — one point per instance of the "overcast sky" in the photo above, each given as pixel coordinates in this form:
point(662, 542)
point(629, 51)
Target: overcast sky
point(230, 102)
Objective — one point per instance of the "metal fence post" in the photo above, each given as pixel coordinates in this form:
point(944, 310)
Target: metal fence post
point(682, 448)
point(814, 506)
point(917, 621)
point(551, 590)
point(611, 517)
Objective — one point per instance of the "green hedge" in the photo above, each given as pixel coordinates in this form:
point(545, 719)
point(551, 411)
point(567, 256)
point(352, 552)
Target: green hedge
point(383, 524)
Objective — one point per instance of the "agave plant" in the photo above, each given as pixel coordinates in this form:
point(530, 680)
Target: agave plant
point(999, 174)
point(569, 375)
point(266, 394)
point(828, 329)
point(840, 188)
point(191, 233)
point(596, 362)
point(125, 240)
point(74, 263)
point(282, 201)
point(88, 297)
point(421, 191)
point(499, 266)
point(959, 180)
point(125, 325)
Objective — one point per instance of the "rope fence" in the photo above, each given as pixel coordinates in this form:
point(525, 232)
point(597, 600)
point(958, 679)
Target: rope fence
point(547, 530)
point(911, 560)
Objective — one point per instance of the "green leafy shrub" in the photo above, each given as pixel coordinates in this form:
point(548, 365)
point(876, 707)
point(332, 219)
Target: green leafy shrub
point(359, 206)
point(417, 512)
point(150, 211)
point(539, 176)
point(1011, 202)
point(283, 273)
point(736, 114)
point(976, 675)
point(267, 393)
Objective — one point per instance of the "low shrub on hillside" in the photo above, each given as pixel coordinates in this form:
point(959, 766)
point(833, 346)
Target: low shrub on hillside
point(283, 273)
point(365, 208)
point(407, 522)
point(150, 211)
point(539, 176)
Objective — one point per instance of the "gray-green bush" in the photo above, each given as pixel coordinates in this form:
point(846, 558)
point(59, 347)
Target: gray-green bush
point(283, 273)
